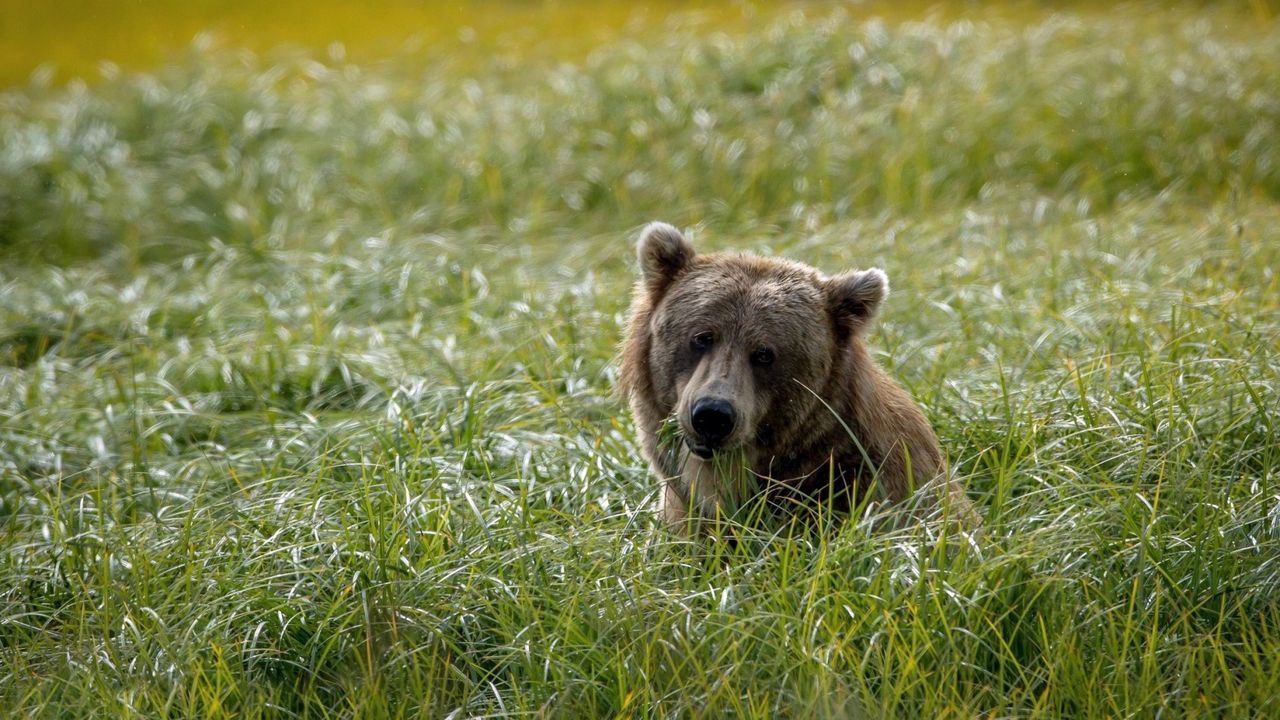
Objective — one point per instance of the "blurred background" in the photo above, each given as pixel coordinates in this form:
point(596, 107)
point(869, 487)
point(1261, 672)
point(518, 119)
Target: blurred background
point(85, 38)
point(265, 123)
point(73, 38)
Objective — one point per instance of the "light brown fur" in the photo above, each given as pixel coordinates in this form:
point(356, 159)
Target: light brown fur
point(817, 420)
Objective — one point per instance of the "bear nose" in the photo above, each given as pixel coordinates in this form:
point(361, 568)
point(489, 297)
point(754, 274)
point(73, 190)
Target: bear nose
point(712, 419)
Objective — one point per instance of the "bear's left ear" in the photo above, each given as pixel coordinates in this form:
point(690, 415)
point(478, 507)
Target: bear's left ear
point(663, 253)
point(855, 296)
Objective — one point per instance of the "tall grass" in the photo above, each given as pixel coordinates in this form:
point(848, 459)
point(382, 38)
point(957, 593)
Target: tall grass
point(306, 377)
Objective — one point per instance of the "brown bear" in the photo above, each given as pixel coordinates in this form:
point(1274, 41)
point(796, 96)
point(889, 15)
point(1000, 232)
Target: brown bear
point(762, 360)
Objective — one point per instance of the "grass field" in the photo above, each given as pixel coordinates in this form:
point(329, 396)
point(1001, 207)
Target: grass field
point(307, 369)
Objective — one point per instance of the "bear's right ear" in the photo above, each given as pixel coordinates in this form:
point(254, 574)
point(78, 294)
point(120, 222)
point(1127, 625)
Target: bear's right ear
point(663, 253)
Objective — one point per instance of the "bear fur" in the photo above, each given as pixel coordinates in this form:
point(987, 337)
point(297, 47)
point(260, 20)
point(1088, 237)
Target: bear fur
point(764, 358)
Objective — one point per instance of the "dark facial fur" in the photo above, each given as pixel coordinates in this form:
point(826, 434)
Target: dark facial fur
point(749, 335)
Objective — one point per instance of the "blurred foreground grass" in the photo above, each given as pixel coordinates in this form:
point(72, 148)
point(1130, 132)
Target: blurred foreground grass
point(306, 374)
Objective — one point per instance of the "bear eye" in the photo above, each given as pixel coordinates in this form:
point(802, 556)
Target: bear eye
point(762, 357)
point(702, 342)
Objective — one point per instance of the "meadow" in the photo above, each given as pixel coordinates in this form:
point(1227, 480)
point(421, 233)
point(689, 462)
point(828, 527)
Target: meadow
point(307, 370)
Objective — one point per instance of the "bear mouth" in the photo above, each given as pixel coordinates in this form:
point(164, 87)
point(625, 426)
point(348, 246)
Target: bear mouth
point(703, 451)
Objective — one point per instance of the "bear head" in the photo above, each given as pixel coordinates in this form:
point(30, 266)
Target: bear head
point(740, 350)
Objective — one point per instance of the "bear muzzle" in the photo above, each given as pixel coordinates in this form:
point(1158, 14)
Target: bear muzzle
point(713, 421)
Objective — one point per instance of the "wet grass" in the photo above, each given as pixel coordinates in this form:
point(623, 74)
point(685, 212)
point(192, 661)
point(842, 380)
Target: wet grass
point(306, 376)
